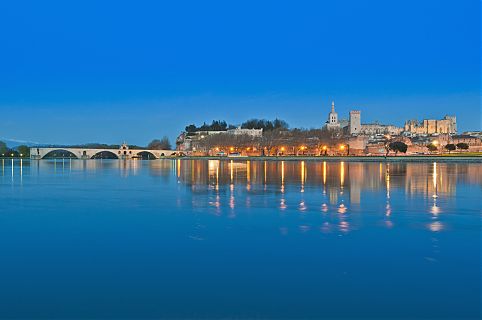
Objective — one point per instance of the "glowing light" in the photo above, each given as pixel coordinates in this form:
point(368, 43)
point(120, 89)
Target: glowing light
point(265, 173)
point(342, 210)
point(178, 168)
point(387, 180)
point(435, 142)
point(282, 173)
point(342, 173)
point(324, 148)
point(282, 204)
point(342, 147)
point(282, 148)
point(231, 149)
point(324, 172)
point(302, 171)
point(436, 226)
point(434, 209)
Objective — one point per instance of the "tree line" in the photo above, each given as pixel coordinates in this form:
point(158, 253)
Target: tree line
point(221, 125)
point(22, 150)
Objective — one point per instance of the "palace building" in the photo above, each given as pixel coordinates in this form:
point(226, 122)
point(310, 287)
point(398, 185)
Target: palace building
point(429, 126)
point(353, 126)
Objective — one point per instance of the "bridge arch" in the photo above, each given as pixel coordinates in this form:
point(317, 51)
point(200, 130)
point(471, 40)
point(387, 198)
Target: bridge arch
point(104, 154)
point(146, 155)
point(59, 153)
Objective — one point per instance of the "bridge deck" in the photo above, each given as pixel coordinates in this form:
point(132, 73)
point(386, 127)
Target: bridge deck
point(84, 153)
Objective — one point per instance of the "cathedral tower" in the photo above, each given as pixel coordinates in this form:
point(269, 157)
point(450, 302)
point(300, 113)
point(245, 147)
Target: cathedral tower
point(332, 122)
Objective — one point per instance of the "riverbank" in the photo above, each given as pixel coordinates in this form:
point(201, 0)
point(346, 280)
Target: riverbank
point(392, 158)
point(431, 158)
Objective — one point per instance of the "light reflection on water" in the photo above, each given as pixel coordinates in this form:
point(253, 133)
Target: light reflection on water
point(341, 185)
point(334, 232)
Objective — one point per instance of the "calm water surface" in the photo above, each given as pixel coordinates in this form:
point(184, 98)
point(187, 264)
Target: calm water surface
point(221, 239)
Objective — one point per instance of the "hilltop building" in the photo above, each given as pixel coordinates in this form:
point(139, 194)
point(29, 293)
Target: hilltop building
point(372, 129)
point(429, 126)
point(187, 141)
point(353, 126)
point(255, 133)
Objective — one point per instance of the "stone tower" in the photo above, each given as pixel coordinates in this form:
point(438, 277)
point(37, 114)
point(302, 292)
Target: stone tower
point(452, 124)
point(332, 122)
point(355, 122)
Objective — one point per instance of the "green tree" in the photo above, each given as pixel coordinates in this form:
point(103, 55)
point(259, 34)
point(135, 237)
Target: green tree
point(462, 145)
point(191, 128)
point(280, 124)
point(24, 150)
point(162, 144)
point(431, 147)
point(450, 147)
point(11, 153)
point(264, 124)
point(398, 146)
point(3, 148)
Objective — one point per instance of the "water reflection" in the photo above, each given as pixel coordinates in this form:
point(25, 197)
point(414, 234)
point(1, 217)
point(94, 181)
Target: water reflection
point(341, 188)
point(343, 185)
point(335, 224)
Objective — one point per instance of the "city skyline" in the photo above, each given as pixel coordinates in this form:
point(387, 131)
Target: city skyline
point(140, 73)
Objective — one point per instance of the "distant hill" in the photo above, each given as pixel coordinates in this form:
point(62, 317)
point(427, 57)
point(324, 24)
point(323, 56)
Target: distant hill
point(13, 143)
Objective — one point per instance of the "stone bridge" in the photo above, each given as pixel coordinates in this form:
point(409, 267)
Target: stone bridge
point(83, 153)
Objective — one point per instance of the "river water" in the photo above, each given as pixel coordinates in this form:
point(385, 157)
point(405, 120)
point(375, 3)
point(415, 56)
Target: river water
point(239, 239)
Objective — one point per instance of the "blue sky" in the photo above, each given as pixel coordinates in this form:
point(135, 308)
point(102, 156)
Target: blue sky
point(108, 71)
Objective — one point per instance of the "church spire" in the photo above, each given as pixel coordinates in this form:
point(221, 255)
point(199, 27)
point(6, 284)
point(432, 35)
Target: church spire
point(333, 106)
